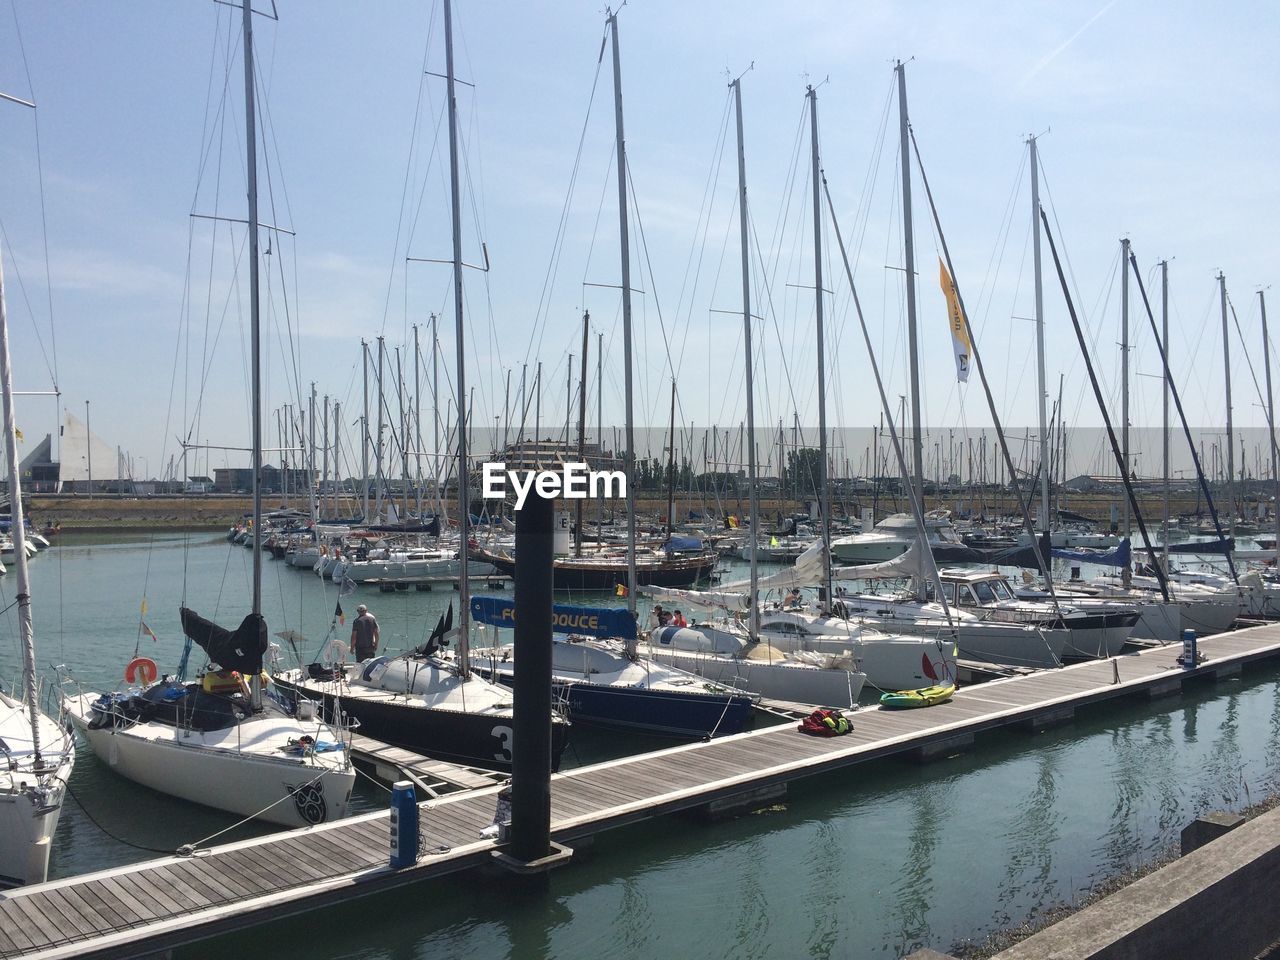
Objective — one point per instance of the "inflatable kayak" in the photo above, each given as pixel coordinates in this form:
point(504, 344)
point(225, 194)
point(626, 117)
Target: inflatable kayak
point(924, 697)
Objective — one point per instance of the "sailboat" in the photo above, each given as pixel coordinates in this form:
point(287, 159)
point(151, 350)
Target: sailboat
point(734, 652)
point(423, 700)
point(39, 751)
point(598, 671)
point(221, 741)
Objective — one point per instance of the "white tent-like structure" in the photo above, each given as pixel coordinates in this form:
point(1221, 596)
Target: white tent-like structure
point(85, 457)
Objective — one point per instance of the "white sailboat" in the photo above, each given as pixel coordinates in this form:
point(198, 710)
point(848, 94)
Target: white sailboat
point(220, 741)
point(425, 700)
point(733, 653)
point(38, 751)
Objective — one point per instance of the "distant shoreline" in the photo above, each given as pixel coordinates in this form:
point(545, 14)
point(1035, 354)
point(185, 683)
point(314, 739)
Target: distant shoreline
point(108, 514)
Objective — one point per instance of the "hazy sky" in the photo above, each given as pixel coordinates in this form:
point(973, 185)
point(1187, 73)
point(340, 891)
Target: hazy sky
point(1157, 121)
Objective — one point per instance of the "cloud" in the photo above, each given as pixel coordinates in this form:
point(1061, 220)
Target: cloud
point(110, 275)
point(1045, 61)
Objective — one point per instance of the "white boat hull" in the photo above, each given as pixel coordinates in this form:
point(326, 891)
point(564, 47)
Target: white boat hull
point(210, 768)
point(793, 682)
point(30, 802)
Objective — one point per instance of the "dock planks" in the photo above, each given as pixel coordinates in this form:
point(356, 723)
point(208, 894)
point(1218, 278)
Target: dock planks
point(159, 904)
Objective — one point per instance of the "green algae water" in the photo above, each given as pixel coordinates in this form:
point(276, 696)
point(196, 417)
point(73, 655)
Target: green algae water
point(873, 861)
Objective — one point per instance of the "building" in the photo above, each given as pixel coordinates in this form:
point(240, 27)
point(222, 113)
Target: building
point(542, 454)
point(240, 479)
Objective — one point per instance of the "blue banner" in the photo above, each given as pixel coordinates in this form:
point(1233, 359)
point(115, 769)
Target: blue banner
point(614, 622)
point(1119, 557)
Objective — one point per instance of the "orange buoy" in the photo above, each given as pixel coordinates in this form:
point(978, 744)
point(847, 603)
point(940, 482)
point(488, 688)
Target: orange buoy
point(141, 670)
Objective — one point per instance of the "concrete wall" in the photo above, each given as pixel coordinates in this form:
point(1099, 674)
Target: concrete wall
point(1218, 901)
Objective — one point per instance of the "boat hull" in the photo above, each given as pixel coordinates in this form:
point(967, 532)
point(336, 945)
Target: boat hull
point(585, 576)
point(662, 712)
point(473, 739)
point(174, 761)
point(775, 681)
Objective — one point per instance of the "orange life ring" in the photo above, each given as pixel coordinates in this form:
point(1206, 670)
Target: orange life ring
point(141, 670)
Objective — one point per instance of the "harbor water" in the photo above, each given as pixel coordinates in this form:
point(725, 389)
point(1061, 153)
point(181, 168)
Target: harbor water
point(873, 861)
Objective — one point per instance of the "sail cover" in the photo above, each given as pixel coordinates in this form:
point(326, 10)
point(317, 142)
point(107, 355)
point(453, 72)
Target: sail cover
point(909, 564)
point(710, 599)
point(240, 649)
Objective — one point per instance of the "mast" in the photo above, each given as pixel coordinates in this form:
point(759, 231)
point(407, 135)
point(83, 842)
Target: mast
point(909, 265)
point(582, 415)
point(630, 462)
point(1164, 398)
point(824, 490)
point(568, 398)
point(255, 362)
point(417, 422)
point(464, 493)
point(377, 447)
point(1226, 369)
point(600, 426)
point(324, 472)
point(1271, 414)
point(1040, 377)
point(364, 426)
point(1127, 573)
point(435, 416)
point(404, 437)
point(19, 533)
point(671, 465)
point(753, 627)
point(337, 455)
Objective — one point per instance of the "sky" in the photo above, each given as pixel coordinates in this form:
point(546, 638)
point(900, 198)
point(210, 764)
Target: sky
point(1155, 121)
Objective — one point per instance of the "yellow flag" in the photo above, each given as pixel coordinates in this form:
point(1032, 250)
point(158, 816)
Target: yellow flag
point(18, 433)
point(144, 606)
point(959, 335)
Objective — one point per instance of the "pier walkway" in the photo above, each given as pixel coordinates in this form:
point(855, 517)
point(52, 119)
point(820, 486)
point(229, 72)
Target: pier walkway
point(159, 904)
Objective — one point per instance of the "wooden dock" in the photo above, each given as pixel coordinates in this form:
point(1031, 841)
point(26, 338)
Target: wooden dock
point(160, 904)
point(432, 777)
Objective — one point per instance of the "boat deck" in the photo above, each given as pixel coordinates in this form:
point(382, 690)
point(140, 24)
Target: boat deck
point(159, 904)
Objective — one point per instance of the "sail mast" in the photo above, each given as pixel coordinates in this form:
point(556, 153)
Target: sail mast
point(1271, 414)
point(255, 362)
point(582, 418)
point(1040, 376)
point(1226, 368)
point(1127, 573)
point(337, 457)
point(626, 313)
point(464, 494)
point(909, 266)
point(377, 444)
point(824, 490)
point(364, 428)
point(753, 627)
point(19, 533)
point(1164, 396)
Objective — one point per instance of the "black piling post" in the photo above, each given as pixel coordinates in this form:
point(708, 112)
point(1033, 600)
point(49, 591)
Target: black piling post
point(531, 747)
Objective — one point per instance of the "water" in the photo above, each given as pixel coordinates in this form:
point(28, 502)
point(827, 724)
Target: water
point(870, 862)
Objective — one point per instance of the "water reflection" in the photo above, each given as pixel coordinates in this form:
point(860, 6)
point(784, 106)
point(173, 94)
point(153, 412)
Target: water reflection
point(1030, 840)
point(825, 896)
point(914, 887)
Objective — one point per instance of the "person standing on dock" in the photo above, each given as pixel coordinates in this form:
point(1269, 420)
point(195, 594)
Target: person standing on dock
point(364, 634)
